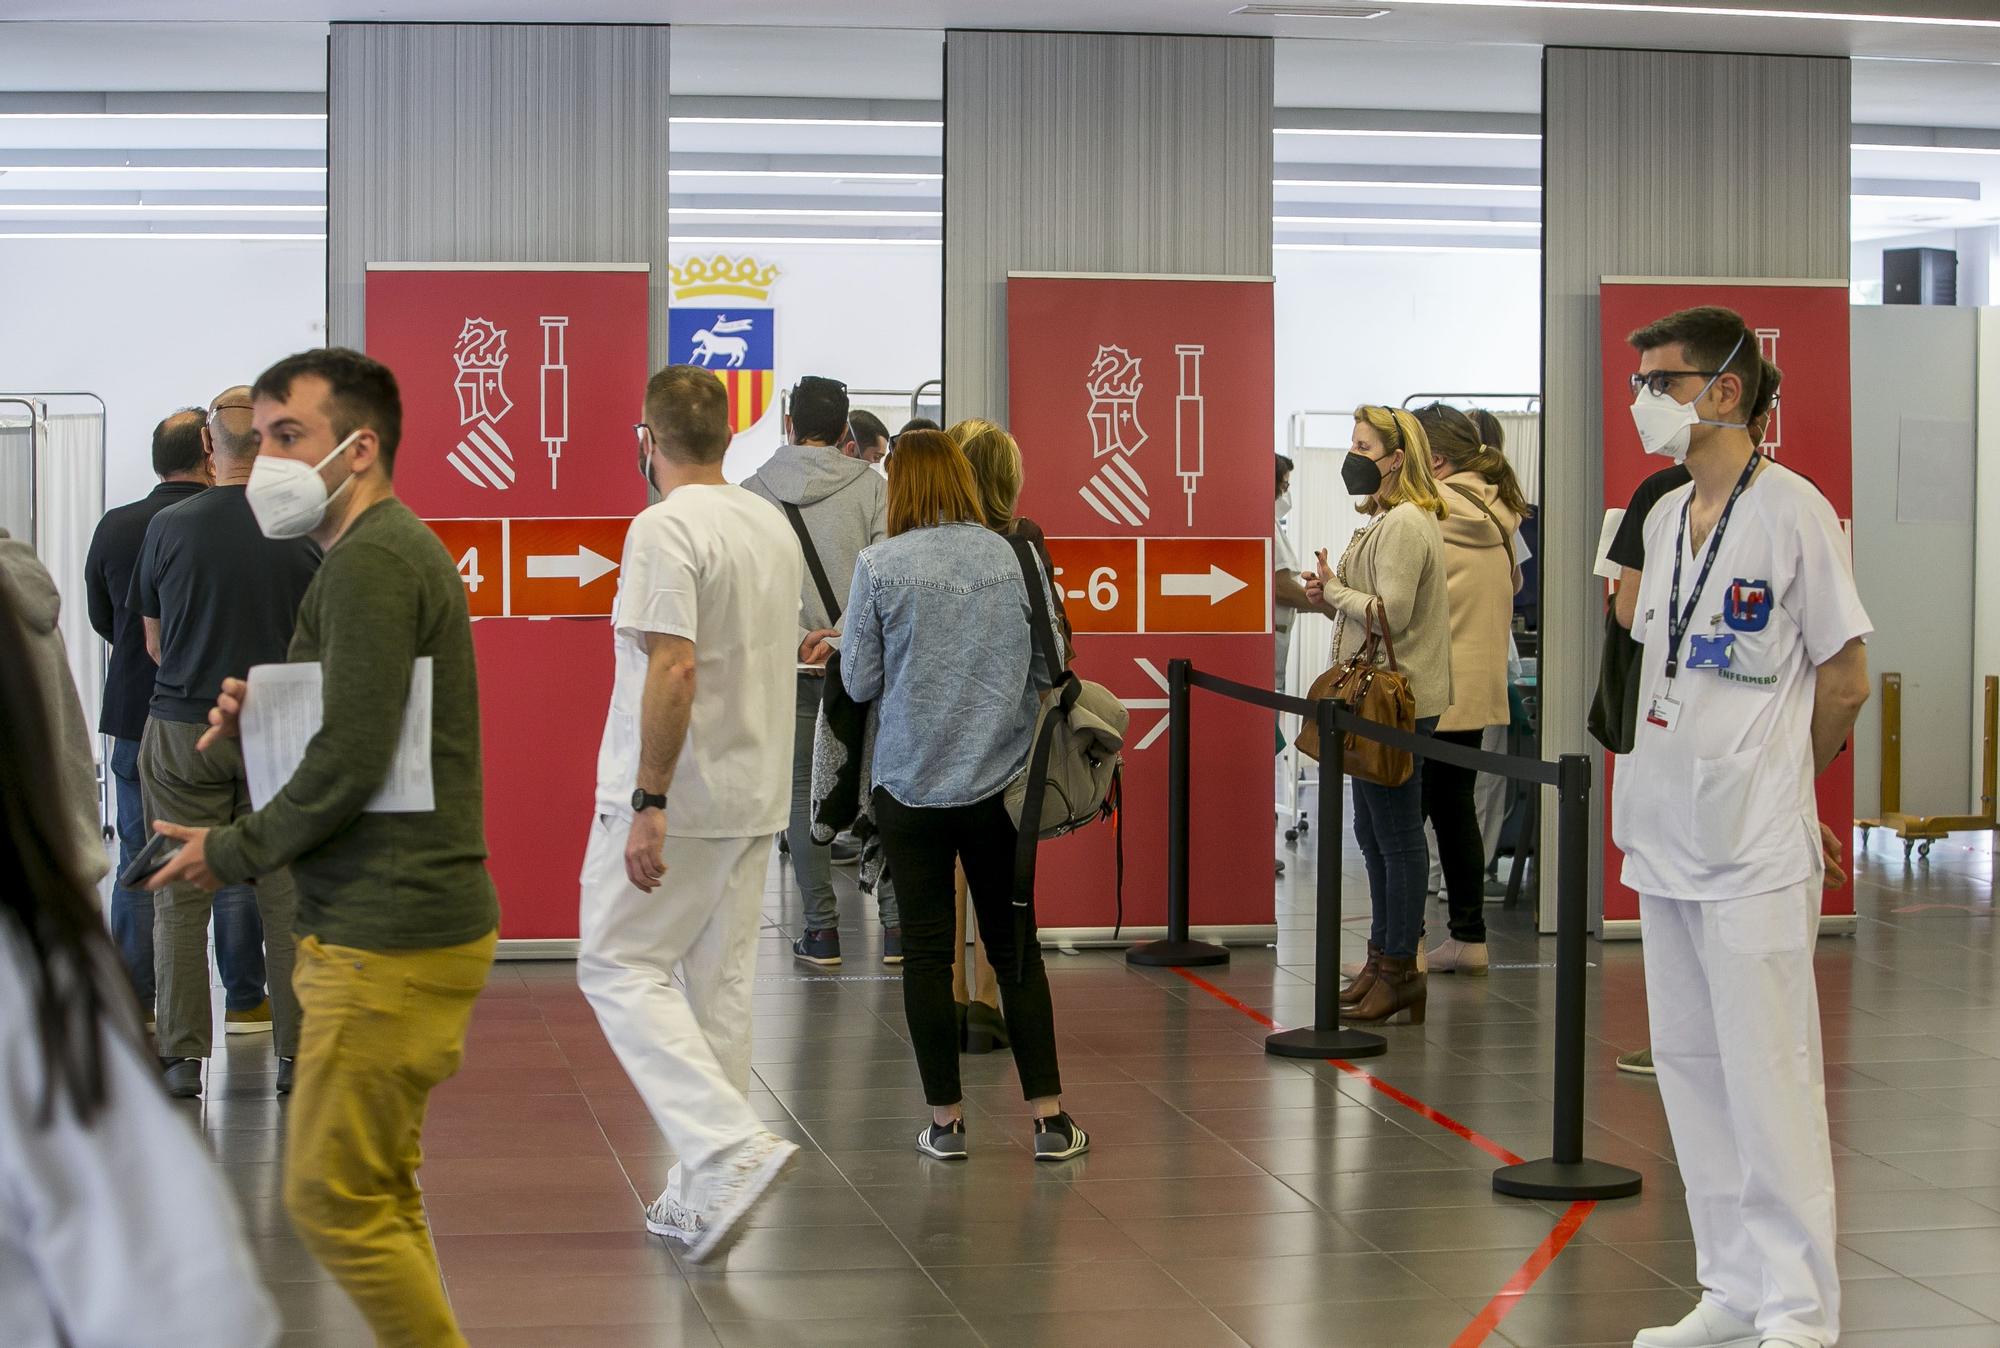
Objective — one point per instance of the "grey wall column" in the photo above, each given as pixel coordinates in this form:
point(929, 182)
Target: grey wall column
point(494, 143)
point(1658, 164)
point(1093, 153)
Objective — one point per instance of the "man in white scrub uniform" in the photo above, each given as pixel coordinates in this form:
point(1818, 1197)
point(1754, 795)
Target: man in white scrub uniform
point(1753, 671)
point(693, 781)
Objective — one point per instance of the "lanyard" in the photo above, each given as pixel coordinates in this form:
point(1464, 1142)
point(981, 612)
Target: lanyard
point(1679, 618)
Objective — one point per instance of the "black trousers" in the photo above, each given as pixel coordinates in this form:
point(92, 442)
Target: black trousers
point(922, 844)
point(1454, 816)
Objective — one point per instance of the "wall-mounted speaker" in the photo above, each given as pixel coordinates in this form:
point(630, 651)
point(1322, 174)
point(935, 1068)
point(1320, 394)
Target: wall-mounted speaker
point(1919, 276)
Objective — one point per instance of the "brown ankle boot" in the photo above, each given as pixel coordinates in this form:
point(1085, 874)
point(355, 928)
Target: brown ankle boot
point(1398, 990)
point(1364, 980)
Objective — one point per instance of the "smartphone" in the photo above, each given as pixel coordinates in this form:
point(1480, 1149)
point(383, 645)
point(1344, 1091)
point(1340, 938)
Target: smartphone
point(157, 852)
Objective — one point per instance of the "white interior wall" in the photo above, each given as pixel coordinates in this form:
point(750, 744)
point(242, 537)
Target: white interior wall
point(867, 315)
point(1986, 528)
point(1378, 327)
point(153, 325)
point(1978, 263)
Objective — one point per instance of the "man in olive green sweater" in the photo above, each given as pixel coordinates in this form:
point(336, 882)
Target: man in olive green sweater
point(396, 918)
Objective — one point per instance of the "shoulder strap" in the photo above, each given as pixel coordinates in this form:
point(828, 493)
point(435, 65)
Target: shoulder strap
point(1043, 629)
point(1486, 510)
point(798, 520)
point(1388, 641)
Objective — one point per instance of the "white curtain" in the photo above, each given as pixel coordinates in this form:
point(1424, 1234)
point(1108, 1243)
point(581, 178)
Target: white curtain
point(1323, 516)
point(70, 501)
point(68, 458)
point(1524, 450)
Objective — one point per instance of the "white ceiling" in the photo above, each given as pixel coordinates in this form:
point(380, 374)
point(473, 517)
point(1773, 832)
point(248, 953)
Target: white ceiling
point(1532, 22)
point(1448, 80)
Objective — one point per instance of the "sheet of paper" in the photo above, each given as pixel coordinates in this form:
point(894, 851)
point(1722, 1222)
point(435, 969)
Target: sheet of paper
point(1604, 566)
point(281, 714)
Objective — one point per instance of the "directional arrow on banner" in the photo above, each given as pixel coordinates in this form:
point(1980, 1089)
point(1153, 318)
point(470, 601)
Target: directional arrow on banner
point(583, 567)
point(1217, 585)
point(1152, 671)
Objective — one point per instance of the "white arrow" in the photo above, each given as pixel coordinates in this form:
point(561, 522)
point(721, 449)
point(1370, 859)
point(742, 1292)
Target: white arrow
point(1152, 671)
point(1218, 585)
point(585, 567)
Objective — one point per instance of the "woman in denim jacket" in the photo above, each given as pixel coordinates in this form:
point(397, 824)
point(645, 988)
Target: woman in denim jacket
point(937, 631)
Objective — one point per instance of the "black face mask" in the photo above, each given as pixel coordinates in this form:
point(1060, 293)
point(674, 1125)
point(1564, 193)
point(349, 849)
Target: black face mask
point(1360, 474)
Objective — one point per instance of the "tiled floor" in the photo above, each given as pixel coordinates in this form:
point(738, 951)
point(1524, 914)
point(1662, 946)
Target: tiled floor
point(1232, 1198)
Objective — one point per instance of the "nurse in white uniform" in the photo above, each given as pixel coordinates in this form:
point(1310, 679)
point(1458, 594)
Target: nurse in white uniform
point(1754, 670)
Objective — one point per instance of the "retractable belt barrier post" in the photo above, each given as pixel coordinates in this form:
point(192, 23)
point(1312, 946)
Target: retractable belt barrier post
point(1567, 1174)
point(1327, 1037)
point(1177, 950)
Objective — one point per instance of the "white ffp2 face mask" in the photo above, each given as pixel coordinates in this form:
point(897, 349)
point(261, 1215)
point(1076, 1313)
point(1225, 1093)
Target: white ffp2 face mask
point(1284, 505)
point(1666, 425)
point(287, 495)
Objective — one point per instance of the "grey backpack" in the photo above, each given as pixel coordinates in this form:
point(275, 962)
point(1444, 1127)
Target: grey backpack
point(1074, 772)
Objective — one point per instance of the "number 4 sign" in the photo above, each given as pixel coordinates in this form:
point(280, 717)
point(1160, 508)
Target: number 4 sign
point(478, 548)
point(541, 568)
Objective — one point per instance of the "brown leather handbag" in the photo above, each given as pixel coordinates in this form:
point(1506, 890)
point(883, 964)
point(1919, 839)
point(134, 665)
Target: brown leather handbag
point(1374, 693)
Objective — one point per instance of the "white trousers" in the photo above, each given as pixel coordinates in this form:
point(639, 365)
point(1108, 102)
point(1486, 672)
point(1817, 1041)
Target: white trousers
point(685, 1043)
point(1736, 1043)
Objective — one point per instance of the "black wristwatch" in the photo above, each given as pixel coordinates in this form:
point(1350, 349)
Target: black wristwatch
point(645, 800)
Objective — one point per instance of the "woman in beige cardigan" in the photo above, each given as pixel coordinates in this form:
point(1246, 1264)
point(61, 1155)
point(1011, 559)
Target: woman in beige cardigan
point(1397, 560)
point(1485, 508)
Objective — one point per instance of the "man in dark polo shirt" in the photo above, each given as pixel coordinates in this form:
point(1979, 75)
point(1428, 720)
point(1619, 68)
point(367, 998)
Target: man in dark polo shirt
point(181, 462)
point(216, 597)
point(397, 916)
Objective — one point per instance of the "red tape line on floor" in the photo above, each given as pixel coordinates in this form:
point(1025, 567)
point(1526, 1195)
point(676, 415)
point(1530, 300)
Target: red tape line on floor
point(1525, 1277)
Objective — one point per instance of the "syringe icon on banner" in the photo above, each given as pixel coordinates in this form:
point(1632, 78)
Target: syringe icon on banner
point(1767, 347)
point(1190, 424)
point(555, 392)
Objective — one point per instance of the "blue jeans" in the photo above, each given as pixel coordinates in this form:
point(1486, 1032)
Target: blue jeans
point(131, 909)
point(1389, 825)
point(239, 947)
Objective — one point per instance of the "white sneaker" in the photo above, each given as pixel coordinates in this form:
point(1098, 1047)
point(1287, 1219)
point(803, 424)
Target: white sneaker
point(673, 1220)
point(1706, 1326)
point(743, 1177)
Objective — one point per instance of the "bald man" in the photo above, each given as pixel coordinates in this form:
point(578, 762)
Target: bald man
point(216, 597)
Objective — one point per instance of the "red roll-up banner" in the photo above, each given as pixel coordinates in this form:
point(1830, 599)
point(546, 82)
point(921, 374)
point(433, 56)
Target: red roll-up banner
point(520, 386)
point(1143, 406)
point(1801, 327)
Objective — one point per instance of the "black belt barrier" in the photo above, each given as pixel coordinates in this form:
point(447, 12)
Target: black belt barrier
point(1567, 1174)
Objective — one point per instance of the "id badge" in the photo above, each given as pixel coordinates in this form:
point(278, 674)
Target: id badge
point(1713, 652)
point(1664, 713)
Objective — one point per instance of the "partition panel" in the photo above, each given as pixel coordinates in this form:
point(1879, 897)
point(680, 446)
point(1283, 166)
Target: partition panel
point(510, 157)
point(1657, 163)
point(1085, 152)
point(494, 143)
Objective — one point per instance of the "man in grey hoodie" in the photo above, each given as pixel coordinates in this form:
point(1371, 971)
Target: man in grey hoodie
point(843, 506)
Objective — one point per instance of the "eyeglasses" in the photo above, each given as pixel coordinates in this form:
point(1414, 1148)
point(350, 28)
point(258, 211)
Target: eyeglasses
point(1658, 382)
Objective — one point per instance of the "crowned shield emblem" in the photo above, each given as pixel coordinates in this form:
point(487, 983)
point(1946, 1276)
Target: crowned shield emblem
point(721, 321)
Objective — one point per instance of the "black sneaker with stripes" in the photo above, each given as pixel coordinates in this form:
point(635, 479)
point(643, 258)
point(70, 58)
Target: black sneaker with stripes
point(946, 1141)
point(1057, 1138)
